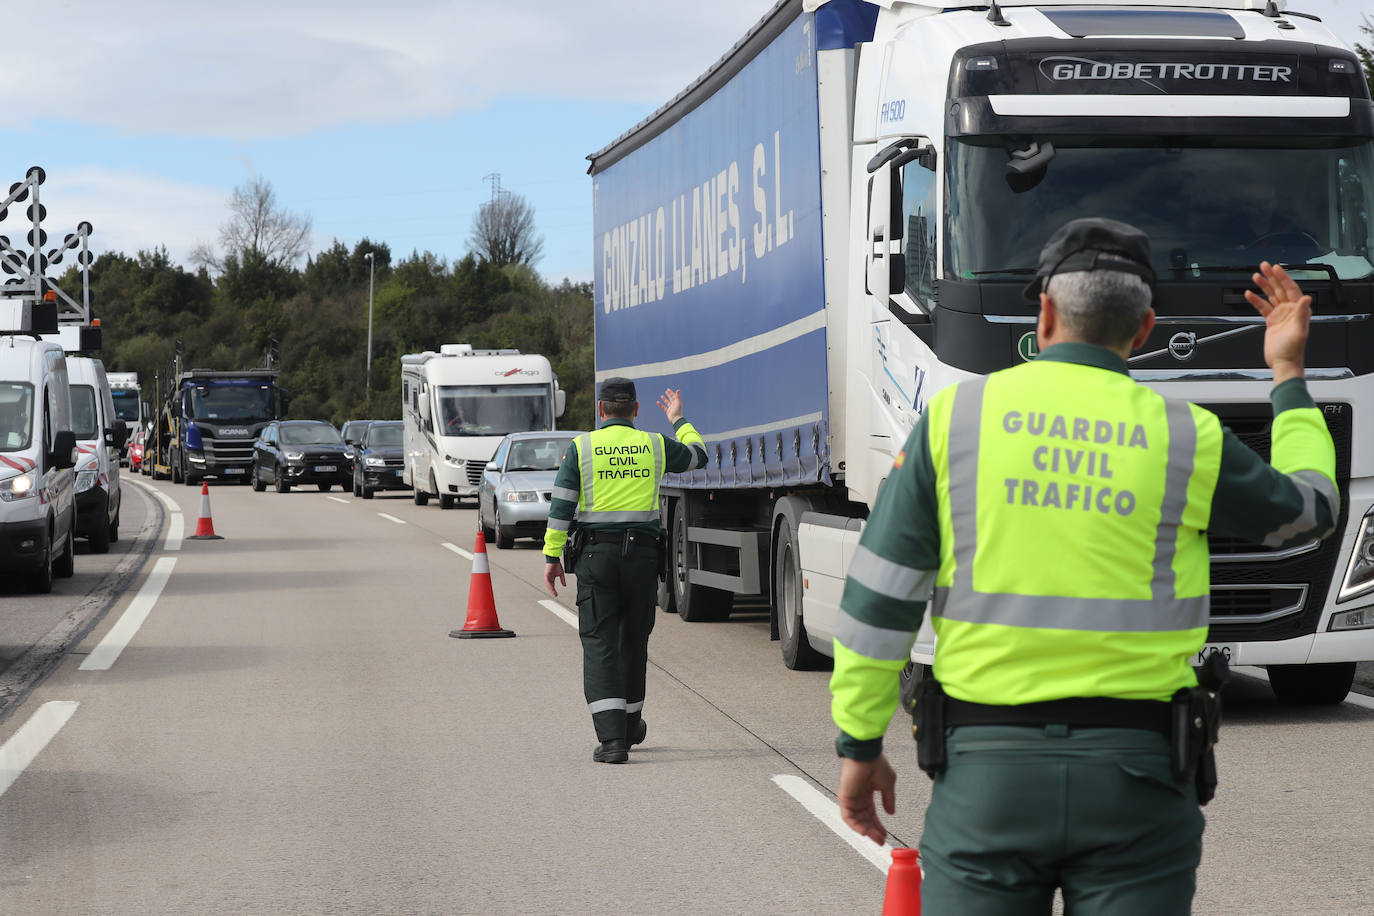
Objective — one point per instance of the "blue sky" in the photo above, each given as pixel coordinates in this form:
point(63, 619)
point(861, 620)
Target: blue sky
point(376, 120)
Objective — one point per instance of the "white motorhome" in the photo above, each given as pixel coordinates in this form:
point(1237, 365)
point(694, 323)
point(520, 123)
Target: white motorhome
point(836, 221)
point(37, 452)
point(457, 405)
point(100, 435)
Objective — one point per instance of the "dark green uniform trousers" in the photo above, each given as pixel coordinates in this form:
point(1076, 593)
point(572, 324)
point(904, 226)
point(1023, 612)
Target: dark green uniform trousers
point(1094, 811)
point(615, 614)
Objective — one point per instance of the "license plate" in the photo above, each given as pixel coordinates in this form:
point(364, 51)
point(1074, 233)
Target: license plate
point(233, 470)
point(322, 468)
point(1225, 649)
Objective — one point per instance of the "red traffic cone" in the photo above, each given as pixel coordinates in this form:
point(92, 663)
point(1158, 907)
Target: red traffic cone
point(903, 896)
point(481, 622)
point(205, 528)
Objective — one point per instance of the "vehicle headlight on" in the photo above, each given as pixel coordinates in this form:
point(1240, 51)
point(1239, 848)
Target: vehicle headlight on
point(294, 456)
point(20, 487)
point(1359, 572)
point(85, 479)
point(348, 453)
point(373, 461)
point(521, 496)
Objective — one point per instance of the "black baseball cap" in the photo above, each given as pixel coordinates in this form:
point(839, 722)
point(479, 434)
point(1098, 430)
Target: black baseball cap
point(1078, 244)
point(617, 389)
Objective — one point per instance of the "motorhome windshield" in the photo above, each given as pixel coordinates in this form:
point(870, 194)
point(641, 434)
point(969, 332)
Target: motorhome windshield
point(16, 416)
point(83, 412)
point(126, 404)
point(1206, 203)
point(493, 410)
point(227, 403)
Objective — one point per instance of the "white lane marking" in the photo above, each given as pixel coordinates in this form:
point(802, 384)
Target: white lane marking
point(391, 518)
point(176, 526)
point(568, 616)
point(338, 500)
point(456, 549)
point(124, 630)
point(828, 813)
point(27, 743)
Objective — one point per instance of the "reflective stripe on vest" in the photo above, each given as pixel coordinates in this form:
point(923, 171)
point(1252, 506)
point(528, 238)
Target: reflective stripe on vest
point(620, 467)
point(1063, 510)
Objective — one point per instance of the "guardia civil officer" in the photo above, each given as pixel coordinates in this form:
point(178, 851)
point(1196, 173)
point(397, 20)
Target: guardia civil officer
point(1054, 518)
point(609, 479)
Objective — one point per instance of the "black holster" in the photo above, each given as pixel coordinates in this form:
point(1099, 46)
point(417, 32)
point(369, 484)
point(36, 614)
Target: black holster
point(1195, 726)
point(925, 701)
point(572, 550)
point(662, 557)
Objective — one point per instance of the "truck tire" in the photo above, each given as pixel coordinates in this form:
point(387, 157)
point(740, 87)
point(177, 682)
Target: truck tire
point(447, 500)
point(695, 603)
point(797, 652)
point(418, 494)
point(1312, 685)
point(65, 567)
point(175, 471)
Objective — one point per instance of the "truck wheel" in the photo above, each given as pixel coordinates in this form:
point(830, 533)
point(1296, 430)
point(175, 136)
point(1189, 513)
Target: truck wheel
point(695, 603)
point(189, 478)
point(65, 567)
point(255, 478)
point(175, 472)
point(447, 500)
point(418, 494)
point(504, 539)
point(797, 651)
point(1312, 685)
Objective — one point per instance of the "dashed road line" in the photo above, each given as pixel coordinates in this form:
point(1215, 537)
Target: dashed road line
point(24, 745)
point(340, 500)
point(127, 626)
point(568, 616)
point(391, 518)
point(828, 813)
point(456, 549)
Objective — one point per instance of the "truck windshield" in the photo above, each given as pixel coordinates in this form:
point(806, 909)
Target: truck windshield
point(492, 410)
point(126, 404)
point(16, 415)
point(83, 412)
point(242, 403)
point(1206, 203)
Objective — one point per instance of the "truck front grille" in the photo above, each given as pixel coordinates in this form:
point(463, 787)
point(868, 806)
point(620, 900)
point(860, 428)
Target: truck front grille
point(1262, 594)
point(474, 471)
point(228, 451)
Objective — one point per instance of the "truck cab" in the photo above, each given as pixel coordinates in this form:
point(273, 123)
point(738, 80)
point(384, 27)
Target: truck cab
point(37, 453)
point(100, 435)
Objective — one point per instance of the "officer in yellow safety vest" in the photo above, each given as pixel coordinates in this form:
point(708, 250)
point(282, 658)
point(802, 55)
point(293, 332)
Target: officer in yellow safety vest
point(1054, 516)
point(609, 480)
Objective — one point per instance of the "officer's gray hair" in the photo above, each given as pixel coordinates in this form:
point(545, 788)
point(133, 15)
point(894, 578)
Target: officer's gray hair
point(1104, 307)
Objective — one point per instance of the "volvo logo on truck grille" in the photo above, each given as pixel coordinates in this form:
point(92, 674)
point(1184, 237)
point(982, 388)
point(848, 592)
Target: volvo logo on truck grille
point(1181, 345)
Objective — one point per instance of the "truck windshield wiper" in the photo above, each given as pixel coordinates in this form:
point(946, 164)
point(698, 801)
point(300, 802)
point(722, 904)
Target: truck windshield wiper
point(1328, 269)
point(1008, 271)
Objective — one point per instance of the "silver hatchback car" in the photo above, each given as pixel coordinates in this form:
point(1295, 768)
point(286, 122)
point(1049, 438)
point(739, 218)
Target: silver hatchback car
point(517, 485)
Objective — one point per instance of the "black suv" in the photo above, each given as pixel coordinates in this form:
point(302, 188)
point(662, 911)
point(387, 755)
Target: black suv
point(289, 453)
point(380, 458)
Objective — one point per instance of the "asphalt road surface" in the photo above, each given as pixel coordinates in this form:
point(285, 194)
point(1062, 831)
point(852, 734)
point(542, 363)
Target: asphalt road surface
point(279, 722)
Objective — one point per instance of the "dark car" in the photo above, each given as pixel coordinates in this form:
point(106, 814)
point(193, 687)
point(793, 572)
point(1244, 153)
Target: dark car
point(379, 458)
point(353, 430)
point(296, 452)
point(517, 485)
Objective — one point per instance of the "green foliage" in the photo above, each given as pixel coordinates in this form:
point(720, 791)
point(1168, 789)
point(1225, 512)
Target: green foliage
point(1366, 56)
point(317, 319)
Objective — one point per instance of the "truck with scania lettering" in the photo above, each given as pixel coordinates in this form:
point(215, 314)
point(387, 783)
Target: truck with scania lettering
point(458, 404)
point(837, 219)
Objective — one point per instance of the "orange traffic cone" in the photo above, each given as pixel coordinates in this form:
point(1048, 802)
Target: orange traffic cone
point(903, 896)
point(205, 528)
point(481, 622)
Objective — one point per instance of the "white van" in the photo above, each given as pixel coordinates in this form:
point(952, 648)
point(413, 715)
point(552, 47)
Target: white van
point(100, 436)
point(458, 404)
point(37, 452)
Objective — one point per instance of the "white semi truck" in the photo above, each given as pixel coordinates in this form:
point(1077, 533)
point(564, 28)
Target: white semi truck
point(837, 219)
point(458, 404)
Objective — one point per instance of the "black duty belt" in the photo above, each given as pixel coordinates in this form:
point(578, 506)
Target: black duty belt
point(1083, 712)
point(617, 535)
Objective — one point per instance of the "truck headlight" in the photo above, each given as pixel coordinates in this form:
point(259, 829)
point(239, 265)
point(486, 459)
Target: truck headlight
point(521, 496)
point(1359, 572)
point(374, 462)
point(86, 479)
point(20, 487)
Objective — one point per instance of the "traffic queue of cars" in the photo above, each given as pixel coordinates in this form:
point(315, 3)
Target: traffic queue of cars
point(368, 456)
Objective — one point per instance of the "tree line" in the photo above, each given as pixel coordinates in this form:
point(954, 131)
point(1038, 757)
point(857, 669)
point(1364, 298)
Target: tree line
point(249, 303)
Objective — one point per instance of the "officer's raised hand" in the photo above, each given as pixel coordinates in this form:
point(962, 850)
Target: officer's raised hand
point(671, 404)
point(1287, 314)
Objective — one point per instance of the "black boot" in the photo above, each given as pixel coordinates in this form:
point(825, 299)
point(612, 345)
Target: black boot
point(613, 751)
point(638, 732)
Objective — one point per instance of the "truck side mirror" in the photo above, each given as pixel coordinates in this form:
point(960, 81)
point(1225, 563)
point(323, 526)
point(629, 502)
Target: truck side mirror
point(63, 454)
point(886, 268)
point(560, 402)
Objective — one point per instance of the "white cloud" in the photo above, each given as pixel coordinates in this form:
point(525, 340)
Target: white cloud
point(258, 68)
